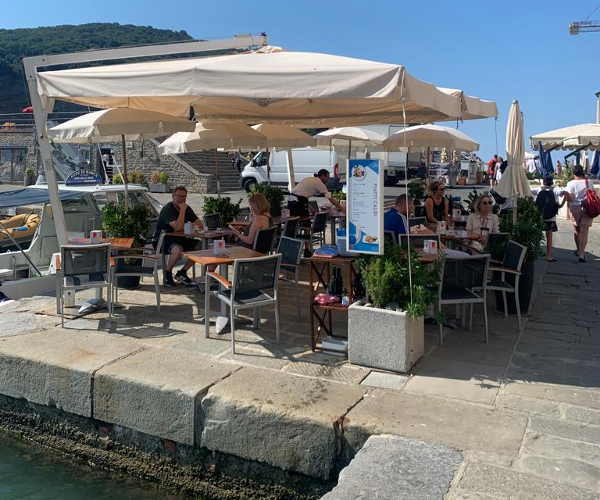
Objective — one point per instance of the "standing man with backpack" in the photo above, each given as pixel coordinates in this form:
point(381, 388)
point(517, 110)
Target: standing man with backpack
point(548, 204)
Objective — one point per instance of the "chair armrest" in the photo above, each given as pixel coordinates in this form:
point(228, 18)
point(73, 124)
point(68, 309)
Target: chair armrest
point(290, 264)
point(219, 278)
point(504, 270)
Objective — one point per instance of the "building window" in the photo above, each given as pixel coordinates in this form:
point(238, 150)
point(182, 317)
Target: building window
point(12, 164)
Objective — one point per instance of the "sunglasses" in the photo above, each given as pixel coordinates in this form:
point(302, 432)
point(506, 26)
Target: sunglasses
point(486, 203)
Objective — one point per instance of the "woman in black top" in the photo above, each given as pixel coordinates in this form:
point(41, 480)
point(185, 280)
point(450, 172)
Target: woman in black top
point(436, 205)
point(260, 211)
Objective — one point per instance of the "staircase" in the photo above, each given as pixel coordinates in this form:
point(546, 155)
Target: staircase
point(204, 162)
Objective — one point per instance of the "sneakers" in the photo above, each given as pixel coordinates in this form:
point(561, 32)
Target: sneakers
point(182, 277)
point(169, 279)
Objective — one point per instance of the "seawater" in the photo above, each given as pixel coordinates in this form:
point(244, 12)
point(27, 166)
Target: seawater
point(30, 472)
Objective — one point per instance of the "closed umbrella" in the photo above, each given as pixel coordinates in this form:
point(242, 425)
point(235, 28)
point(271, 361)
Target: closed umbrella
point(595, 168)
point(215, 136)
point(514, 181)
point(546, 165)
point(118, 124)
point(284, 137)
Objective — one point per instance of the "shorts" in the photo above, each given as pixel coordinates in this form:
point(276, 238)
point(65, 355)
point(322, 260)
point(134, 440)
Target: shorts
point(188, 244)
point(580, 217)
point(550, 225)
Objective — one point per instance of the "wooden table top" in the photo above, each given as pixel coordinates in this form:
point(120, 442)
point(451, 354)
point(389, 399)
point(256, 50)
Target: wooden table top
point(208, 257)
point(457, 235)
point(203, 235)
point(277, 221)
point(117, 243)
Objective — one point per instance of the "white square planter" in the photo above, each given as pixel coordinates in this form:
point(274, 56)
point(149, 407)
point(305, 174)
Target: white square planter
point(378, 338)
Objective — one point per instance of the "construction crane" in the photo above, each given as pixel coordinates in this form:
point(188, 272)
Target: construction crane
point(577, 27)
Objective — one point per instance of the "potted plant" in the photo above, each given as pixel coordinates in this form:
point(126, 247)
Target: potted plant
point(273, 194)
point(29, 177)
point(529, 232)
point(388, 332)
point(222, 206)
point(136, 177)
point(418, 193)
point(159, 182)
point(119, 222)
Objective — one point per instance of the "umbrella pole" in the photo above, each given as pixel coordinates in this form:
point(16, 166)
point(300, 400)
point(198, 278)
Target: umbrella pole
point(349, 147)
point(290, 169)
point(217, 174)
point(426, 165)
point(268, 168)
point(125, 180)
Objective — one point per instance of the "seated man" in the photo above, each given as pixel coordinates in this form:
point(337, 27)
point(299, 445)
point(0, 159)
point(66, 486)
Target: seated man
point(173, 217)
point(396, 218)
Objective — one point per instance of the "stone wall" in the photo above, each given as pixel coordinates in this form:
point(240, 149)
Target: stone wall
point(22, 138)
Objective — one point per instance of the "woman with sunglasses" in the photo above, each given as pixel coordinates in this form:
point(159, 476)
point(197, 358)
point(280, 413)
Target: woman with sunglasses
point(436, 205)
point(483, 221)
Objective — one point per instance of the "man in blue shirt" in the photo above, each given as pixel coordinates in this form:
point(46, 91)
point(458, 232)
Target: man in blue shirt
point(396, 217)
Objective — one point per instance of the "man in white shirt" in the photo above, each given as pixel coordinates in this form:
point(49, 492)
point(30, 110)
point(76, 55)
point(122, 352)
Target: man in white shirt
point(311, 186)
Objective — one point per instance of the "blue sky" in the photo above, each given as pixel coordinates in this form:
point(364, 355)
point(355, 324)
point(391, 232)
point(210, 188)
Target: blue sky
point(495, 50)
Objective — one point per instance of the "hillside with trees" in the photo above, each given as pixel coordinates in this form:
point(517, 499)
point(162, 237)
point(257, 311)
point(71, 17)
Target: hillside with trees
point(18, 43)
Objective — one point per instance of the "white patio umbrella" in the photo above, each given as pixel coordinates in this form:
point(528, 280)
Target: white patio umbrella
point(585, 135)
point(431, 136)
point(352, 138)
point(284, 137)
point(118, 124)
point(514, 181)
point(215, 136)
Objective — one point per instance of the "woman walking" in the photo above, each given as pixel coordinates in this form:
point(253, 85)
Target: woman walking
point(577, 189)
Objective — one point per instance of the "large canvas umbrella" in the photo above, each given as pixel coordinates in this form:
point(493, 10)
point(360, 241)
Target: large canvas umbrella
point(259, 87)
point(586, 135)
point(284, 137)
point(428, 136)
point(214, 136)
point(118, 124)
point(514, 181)
point(473, 107)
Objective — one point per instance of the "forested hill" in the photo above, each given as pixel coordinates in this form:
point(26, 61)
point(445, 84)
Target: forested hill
point(18, 43)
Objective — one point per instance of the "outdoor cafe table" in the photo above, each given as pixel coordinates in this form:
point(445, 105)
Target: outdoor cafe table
point(208, 258)
point(204, 236)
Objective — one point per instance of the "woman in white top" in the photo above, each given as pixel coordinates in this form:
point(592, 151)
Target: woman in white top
point(483, 221)
point(577, 189)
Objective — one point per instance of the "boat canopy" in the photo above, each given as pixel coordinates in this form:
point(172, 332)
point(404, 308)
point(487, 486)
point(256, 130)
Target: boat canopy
point(32, 196)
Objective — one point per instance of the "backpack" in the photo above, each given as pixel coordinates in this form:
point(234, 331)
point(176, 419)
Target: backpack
point(591, 203)
point(546, 203)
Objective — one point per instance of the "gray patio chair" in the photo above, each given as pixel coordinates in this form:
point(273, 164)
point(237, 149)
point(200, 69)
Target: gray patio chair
point(291, 256)
point(390, 238)
point(290, 229)
point(317, 231)
point(142, 270)
point(83, 267)
point(264, 241)
point(464, 282)
point(511, 265)
point(254, 284)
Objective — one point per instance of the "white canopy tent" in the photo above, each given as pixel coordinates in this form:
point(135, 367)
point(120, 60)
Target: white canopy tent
point(264, 86)
point(435, 136)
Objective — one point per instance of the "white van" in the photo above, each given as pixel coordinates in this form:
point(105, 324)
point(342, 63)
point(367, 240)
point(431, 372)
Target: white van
point(307, 162)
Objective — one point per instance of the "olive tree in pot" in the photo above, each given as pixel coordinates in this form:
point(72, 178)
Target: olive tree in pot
point(417, 192)
point(388, 332)
point(529, 232)
point(273, 194)
point(120, 222)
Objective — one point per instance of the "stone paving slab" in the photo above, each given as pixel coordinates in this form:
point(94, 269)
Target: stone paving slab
point(392, 467)
point(157, 391)
point(385, 380)
point(55, 367)
point(564, 394)
point(285, 420)
point(564, 429)
point(501, 483)
point(453, 423)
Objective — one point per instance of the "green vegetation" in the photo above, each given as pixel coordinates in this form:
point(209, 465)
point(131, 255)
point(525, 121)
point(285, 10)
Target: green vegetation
point(273, 194)
point(18, 43)
point(386, 279)
point(417, 191)
point(529, 229)
point(223, 206)
point(118, 222)
point(566, 175)
point(339, 195)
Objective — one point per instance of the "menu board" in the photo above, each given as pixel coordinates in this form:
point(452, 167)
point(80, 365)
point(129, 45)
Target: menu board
point(364, 224)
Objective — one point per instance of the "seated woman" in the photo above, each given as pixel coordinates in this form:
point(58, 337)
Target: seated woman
point(436, 205)
point(483, 221)
point(260, 216)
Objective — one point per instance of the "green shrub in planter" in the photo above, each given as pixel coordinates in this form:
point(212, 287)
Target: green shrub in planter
point(417, 191)
point(223, 206)
point(119, 222)
point(273, 194)
point(529, 229)
point(386, 279)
